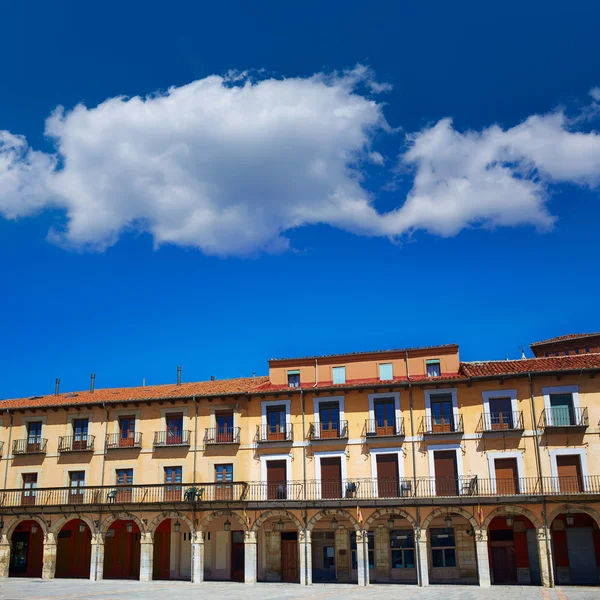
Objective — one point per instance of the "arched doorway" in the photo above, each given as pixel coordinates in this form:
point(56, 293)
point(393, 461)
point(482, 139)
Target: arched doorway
point(122, 550)
point(576, 549)
point(73, 550)
point(172, 551)
point(224, 549)
point(26, 550)
point(513, 551)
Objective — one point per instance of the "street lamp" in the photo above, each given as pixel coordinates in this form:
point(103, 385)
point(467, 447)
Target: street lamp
point(81, 527)
point(227, 525)
point(334, 524)
point(279, 525)
point(177, 526)
point(390, 522)
point(448, 521)
point(570, 519)
point(129, 527)
point(509, 521)
point(34, 528)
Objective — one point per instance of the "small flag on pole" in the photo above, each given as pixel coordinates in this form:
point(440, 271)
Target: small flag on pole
point(359, 515)
point(480, 515)
point(246, 517)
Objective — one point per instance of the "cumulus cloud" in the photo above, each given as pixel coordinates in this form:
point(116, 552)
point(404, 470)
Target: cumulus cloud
point(229, 164)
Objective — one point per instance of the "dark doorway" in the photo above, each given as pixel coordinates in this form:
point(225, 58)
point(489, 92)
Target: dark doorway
point(504, 558)
point(122, 551)
point(289, 557)
point(237, 556)
point(73, 550)
point(26, 549)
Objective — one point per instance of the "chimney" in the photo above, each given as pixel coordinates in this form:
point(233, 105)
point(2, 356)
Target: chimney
point(178, 375)
point(92, 382)
point(253, 375)
point(144, 382)
point(57, 387)
point(212, 377)
point(523, 357)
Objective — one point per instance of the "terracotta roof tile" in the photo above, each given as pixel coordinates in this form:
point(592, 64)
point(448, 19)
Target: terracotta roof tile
point(562, 338)
point(531, 365)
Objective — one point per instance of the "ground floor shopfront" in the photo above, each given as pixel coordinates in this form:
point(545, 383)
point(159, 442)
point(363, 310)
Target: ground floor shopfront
point(493, 545)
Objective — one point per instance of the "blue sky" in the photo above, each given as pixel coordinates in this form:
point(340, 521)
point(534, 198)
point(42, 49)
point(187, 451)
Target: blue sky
point(129, 298)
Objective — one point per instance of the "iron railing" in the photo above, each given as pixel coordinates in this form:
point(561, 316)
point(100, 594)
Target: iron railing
point(328, 431)
point(131, 439)
point(222, 435)
point(582, 484)
point(502, 421)
point(564, 416)
point(35, 445)
point(441, 425)
point(76, 443)
point(163, 439)
point(1, 447)
point(275, 433)
point(381, 428)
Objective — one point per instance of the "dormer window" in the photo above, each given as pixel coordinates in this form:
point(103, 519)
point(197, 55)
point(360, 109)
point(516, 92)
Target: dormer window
point(386, 372)
point(339, 375)
point(433, 368)
point(293, 378)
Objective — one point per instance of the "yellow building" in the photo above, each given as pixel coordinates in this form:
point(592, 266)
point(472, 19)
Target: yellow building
point(394, 466)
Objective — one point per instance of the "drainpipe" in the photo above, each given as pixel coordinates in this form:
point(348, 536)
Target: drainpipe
point(101, 487)
point(304, 483)
point(542, 486)
point(195, 436)
point(11, 416)
point(414, 461)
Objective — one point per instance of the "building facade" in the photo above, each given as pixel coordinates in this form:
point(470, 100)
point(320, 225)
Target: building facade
point(400, 466)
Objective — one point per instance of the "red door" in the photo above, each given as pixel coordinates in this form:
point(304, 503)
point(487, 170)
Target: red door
point(507, 480)
point(237, 556)
point(276, 480)
point(289, 561)
point(331, 478)
point(446, 479)
point(569, 474)
point(387, 476)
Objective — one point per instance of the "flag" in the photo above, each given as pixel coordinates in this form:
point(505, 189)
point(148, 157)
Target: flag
point(480, 515)
point(246, 517)
point(359, 515)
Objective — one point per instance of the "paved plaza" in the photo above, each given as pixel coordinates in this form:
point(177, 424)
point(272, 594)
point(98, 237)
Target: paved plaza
point(16, 589)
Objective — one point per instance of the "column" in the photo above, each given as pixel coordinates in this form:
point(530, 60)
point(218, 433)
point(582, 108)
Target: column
point(97, 558)
point(305, 551)
point(421, 537)
point(250, 556)
point(545, 552)
point(146, 557)
point(49, 557)
point(198, 557)
point(343, 563)
point(273, 555)
point(4, 557)
point(483, 559)
point(362, 557)
point(382, 554)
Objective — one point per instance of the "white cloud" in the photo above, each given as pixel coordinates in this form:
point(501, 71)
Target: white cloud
point(595, 94)
point(229, 164)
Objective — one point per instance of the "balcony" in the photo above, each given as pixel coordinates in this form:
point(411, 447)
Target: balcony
point(442, 426)
point(222, 435)
point(274, 433)
point(30, 446)
point(328, 431)
point(507, 422)
point(564, 417)
point(78, 443)
point(382, 429)
point(115, 441)
point(168, 439)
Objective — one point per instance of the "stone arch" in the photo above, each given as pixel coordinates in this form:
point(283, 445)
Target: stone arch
point(276, 513)
point(222, 513)
point(389, 511)
point(16, 520)
point(333, 512)
point(574, 508)
point(125, 516)
point(450, 510)
point(66, 518)
point(511, 510)
point(171, 515)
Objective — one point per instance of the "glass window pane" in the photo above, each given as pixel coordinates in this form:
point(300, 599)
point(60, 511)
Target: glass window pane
point(386, 372)
point(437, 558)
point(450, 557)
point(339, 375)
point(409, 559)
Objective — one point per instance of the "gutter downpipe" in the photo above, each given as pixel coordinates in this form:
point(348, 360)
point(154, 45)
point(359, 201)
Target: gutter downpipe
point(542, 486)
point(102, 486)
point(414, 461)
point(11, 417)
point(195, 399)
point(304, 485)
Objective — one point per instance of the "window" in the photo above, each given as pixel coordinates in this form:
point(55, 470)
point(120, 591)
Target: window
point(385, 416)
point(224, 476)
point(276, 421)
point(174, 428)
point(402, 543)
point(500, 413)
point(561, 409)
point(587, 348)
point(386, 372)
point(441, 414)
point(76, 482)
point(126, 431)
point(173, 476)
point(433, 368)
point(80, 430)
point(370, 546)
point(29, 485)
point(34, 431)
point(576, 351)
point(329, 417)
point(124, 479)
point(443, 547)
point(339, 375)
point(224, 427)
point(293, 379)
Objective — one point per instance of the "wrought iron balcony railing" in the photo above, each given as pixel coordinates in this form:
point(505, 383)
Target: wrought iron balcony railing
point(564, 416)
point(164, 439)
point(130, 439)
point(275, 433)
point(440, 425)
point(378, 428)
point(1, 447)
point(76, 443)
point(503, 421)
point(337, 430)
point(36, 445)
point(222, 435)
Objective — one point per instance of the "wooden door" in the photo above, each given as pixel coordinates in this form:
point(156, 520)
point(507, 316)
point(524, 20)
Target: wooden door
point(276, 480)
point(224, 427)
point(442, 419)
point(276, 424)
point(329, 415)
point(385, 417)
point(500, 414)
point(237, 556)
point(569, 473)
point(387, 476)
point(504, 564)
point(224, 477)
point(446, 477)
point(331, 478)
point(507, 478)
point(289, 561)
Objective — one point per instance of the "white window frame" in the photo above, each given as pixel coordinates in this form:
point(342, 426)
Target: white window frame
point(382, 396)
point(559, 389)
point(270, 403)
point(345, 378)
point(374, 452)
point(25, 422)
point(581, 452)
point(263, 470)
point(492, 456)
point(442, 392)
point(175, 410)
point(317, 402)
point(224, 408)
point(493, 394)
point(432, 361)
point(339, 454)
point(391, 364)
point(444, 447)
point(117, 414)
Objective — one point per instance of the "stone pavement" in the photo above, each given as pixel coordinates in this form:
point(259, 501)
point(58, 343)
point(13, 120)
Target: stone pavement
point(59, 589)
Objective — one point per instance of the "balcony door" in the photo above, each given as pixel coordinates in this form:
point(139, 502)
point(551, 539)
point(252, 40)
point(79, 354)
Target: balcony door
point(507, 476)
point(561, 407)
point(224, 427)
point(76, 483)
point(126, 432)
point(500, 414)
point(173, 484)
point(568, 468)
point(224, 477)
point(174, 429)
point(276, 423)
point(385, 417)
point(387, 475)
point(124, 482)
point(446, 473)
point(442, 419)
point(276, 480)
point(331, 477)
point(80, 431)
point(329, 419)
point(29, 486)
point(34, 437)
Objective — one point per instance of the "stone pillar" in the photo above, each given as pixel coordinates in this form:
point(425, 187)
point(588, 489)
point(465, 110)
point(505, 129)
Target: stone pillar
point(305, 552)
point(146, 557)
point(343, 563)
point(483, 559)
point(545, 553)
point(273, 555)
point(4, 557)
point(198, 558)
point(382, 554)
point(49, 557)
point(97, 558)
point(421, 538)
point(250, 556)
point(362, 557)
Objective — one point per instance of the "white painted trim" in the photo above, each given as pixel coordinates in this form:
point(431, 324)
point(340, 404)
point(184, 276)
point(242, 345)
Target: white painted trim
point(374, 452)
point(26, 420)
point(270, 403)
point(117, 414)
point(288, 469)
point(381, 396)
point(440, 447)
point(488, 395)
point(318, 401)
point(224, 408)
point(559, 389)
point(492, 456)
point(339, 454)
point(174, 410)
point(581, 452)
point(441, 392)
